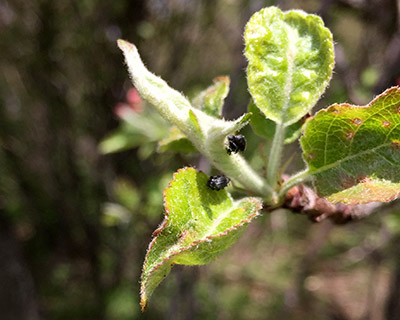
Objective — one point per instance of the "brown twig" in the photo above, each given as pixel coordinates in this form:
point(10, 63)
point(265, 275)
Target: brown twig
point(302, 199)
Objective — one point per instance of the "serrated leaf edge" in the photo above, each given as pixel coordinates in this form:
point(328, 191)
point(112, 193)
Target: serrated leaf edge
point(338, 162)
point(353, 202)
point(243, 222)
point(208, 238)
point(283, 15)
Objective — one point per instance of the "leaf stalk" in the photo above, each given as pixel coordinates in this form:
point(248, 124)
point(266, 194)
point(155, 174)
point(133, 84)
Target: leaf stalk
point(275, 155)
point(297, 178)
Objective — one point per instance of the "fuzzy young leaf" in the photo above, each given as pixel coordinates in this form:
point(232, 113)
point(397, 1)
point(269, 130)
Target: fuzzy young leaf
point(291, 59)
point(353, 152)
point(265, 127)
point(211, 100)
point(171, 104)
point(207, 133)
point(199, 225)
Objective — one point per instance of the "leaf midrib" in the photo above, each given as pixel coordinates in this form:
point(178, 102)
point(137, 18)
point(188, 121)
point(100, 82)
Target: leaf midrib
point(216, 222)
point(339, 162)
point(291, 55)
point(203, 235)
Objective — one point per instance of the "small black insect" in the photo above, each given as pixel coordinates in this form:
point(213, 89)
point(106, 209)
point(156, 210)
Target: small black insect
point(218, 182)
point(236, 143)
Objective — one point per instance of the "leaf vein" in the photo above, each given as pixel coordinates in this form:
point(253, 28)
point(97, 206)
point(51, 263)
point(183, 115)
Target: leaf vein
point(339, 162)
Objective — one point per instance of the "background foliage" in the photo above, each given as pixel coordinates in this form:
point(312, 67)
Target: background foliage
point(74, 224)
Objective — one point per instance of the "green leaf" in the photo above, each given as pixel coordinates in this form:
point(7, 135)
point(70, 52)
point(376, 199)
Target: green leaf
point(291, 59)
point(176, 141)
point(199, 225)
point(265, 127)
point(211, 100)
point(353, 152)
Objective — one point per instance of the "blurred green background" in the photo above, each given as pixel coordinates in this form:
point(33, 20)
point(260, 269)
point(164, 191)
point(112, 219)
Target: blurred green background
point(75, 224)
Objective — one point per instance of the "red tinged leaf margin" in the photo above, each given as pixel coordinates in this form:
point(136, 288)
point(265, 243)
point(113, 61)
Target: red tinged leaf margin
point(353, 152)
point(199, 225)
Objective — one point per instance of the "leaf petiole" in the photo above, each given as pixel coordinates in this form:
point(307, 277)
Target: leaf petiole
point(275, 155)
point(297, 178)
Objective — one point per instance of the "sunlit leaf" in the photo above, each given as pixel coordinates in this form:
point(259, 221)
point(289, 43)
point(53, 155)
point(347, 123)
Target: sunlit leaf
point(353, 152)
point(199, 225)
point(291, 59)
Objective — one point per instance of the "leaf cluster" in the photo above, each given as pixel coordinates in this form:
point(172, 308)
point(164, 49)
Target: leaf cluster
point(351, 153)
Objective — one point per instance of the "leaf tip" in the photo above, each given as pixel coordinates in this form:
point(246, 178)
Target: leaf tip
point(245, 119)
point(224, 79)
point(143, 303)
point(124, 45)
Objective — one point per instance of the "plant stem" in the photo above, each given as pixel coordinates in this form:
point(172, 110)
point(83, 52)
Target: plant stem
point(275, 155)
point(298, 178)
point(234, 166)
point(238, 169)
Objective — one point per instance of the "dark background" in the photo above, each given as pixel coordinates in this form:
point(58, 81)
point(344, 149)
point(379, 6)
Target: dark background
point(75, 224)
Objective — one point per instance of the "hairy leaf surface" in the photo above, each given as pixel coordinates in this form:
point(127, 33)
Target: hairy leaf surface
point(199, 225)
point(291, 59)
point(207, 133)
point(211, 100)
point(353, 152)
